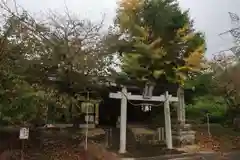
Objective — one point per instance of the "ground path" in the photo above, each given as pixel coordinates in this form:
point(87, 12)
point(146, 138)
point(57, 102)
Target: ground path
point(65, 144)
point(200, 156)
point(222, 140)
point(208, 156)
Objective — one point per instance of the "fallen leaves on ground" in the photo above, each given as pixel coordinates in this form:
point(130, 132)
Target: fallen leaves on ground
point(54, 146)
point(221, 140)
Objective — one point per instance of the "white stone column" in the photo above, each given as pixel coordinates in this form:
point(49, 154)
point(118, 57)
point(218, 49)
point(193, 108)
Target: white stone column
point(123, 121)
point(168, 128)
point(181, 106)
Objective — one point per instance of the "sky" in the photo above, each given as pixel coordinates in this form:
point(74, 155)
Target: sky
point(210, 16)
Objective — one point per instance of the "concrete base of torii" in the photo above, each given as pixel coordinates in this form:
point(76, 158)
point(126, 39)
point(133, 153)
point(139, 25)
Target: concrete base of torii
point(182, 132)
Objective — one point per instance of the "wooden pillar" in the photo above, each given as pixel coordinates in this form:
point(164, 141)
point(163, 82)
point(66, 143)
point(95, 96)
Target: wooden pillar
point(168, 128)
point(181, 107)
point(123, 121)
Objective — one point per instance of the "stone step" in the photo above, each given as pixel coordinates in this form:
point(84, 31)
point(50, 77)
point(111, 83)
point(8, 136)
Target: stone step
point(183, 137)
point(185, 126)
point(183, 133)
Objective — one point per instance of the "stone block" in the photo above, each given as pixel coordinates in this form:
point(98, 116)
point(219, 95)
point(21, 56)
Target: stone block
point(183, 135)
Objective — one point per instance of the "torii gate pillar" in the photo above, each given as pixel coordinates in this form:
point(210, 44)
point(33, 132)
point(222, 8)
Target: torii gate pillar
point(123, 121)
point(167, 116)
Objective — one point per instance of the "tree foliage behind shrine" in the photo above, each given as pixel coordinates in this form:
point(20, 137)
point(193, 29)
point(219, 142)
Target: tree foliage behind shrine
point(157, 41)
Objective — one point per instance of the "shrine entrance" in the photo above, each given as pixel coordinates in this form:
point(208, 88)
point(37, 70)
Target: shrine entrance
point(109, 111)
point(126, 97)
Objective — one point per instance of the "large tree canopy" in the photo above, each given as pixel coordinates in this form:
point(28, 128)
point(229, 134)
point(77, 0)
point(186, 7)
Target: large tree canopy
point(157, 41)
point(45, 64)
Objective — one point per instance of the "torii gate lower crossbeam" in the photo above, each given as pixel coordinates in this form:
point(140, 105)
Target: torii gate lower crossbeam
point(124, 96)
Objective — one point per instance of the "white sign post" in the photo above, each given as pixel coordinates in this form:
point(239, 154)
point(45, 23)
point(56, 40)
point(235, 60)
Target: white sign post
point(23, 135)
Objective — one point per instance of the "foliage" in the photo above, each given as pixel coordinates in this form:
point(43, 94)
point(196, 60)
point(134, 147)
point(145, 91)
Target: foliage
point(66, 50)
point(157, 41)
point(219, 81)
point(202, 83)
point(46, 65)
point(215, 106)
point(226, 78)
point(20, 103)
point(199, 85)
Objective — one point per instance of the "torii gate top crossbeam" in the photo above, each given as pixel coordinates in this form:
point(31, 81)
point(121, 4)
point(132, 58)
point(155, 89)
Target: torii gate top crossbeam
point(161, 98)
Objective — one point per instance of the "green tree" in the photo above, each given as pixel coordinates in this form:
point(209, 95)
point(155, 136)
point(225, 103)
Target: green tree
point(219, 81)
point(214, 105)
point(51, 63)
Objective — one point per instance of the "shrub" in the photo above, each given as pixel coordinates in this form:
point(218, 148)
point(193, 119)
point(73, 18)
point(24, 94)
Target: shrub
point(215, 106)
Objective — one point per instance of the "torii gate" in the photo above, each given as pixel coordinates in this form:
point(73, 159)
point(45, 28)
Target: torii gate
point(166, 98)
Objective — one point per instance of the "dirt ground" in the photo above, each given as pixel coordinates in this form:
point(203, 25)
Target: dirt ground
point(51, 145)
point(69, 145)
point(221, 140)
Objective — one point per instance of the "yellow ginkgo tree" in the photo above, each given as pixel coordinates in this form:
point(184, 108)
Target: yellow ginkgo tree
point(160, 41)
